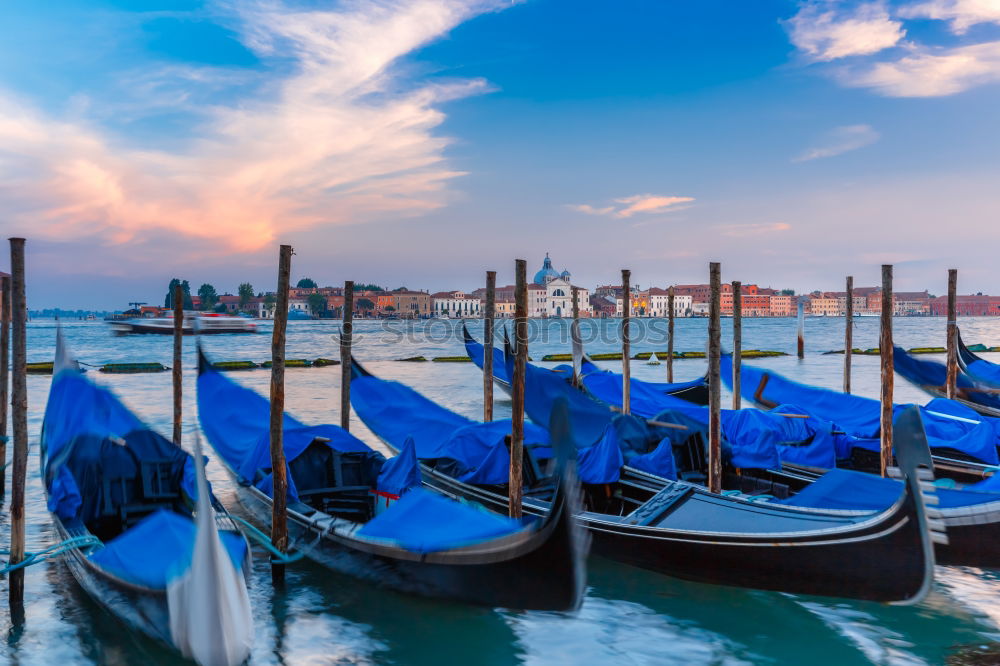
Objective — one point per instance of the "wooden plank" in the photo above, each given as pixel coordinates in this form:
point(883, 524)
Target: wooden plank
point(952, 335)
point(488, 316)
point(885, 352)
point(177, 370)
point(714, 381)
point(279, 506)
point(737, 340)
point(626, 341)
point(346, 337)
point(848, 333)
point(19, 421)
point(515, 483)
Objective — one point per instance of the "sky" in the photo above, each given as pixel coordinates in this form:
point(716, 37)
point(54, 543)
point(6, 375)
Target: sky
point(420, 143)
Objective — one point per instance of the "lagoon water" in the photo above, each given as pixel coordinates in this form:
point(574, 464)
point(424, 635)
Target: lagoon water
point(629, 616)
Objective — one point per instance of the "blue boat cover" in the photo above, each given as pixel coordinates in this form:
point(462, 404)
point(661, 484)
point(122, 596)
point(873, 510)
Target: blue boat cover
point(602, 462)
point(395, 412)
point(645, 398)
point(236, 421)
point(984, 371)
point(426, 522)
point(589, 369)
point(660, 461)
point(847, 489)
point(925, 372)
point(858, 416)
point(157, 549)
point(401, 472)
point(477, 352)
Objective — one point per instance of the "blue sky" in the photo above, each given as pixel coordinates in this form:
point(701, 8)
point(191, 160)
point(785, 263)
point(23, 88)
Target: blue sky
point(421, 143)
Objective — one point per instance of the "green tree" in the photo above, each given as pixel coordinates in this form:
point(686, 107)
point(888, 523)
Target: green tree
point(317, 303)
point(306, 283)
point(209, 297)
point(168, 302)
point(787, 292)
point(367, 287)
point(389, 308)
point(220, 308)
point(365, 304)
point(245, 292)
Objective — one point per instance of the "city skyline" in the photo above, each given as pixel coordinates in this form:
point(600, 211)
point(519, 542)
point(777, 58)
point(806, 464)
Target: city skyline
point(429, 141)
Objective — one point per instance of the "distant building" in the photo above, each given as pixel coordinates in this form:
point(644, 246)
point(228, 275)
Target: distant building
point(783, 305)
point(412, 304)
point(455, 304)
point(551, 293)
point(602, 306)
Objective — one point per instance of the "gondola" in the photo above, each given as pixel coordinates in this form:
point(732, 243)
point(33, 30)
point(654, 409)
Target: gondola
point(147, 526)
point(978, 368)
point(694, 391)
point(931, 377)
point(848, 425)
point(346, 501)
point(679, 528)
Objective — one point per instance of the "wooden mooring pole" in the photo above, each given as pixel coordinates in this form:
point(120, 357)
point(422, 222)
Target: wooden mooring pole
point(801, 337)
point(279, 513)
point(19, 421)
point(515, 483)
point(714, 379)
point(4, 378)
point(670, 334)
point(626, 341)
point(737, 340)
point(346, 337)
point(177, 374)
point(488, 316)
point(848, 332)
point(885, 352)
point(952, 332)
point(575, 291)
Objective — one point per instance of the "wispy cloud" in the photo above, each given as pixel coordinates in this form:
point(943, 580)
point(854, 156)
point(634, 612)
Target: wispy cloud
point(758, 229)
point(341, 136)
point(628, 206)
point(840, 140)
point(826, 31)
point(961, 14)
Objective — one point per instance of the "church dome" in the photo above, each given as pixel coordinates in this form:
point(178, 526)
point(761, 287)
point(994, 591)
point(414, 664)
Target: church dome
point(564, 275)
point(547, 273)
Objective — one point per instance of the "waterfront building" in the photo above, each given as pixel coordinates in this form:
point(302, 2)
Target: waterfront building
point(602, 306)
point(551, 293)
point(824, 305)
point(968, 305)
point(411, 304)
point(455, 305)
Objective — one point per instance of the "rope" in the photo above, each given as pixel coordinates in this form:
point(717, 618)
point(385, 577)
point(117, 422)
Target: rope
point(265, 541)
point(50, 552)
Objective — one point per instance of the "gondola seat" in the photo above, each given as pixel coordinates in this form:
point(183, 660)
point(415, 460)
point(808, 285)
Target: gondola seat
point(335, 482)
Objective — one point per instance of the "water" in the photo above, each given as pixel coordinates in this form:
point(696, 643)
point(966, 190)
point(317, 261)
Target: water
point(628, 616)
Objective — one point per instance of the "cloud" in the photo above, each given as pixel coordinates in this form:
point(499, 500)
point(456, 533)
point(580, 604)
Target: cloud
point(927, 72)
point(826, 31)
point(839, 141)
point(961, 14)
point(334, 135)
point(823, 31)
point(629, 206)
point(740, 230)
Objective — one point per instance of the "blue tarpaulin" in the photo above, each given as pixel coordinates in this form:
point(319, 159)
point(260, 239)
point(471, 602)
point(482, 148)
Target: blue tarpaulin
point(158, 548)
point(402, 472)
point(477, 352)
point(660, 461)
point(425, 522)
point(602, 462)
point(847, 489)
point(927, 372)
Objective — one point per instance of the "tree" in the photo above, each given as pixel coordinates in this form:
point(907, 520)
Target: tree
point(220, 308)
point(317, 303)
point(209, 297)
point(306, 283)
point(245, 292)
point(365, 304)
point(389, 308)
point(367, 287)
point(787, 292)
point(168, 302)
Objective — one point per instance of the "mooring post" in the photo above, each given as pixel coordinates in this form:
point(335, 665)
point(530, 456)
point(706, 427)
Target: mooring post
point(4, 378)
point(737, 340)
point(488, 317)
point(346, 337)
point(670, 334)
point(576, 322)
point(515, 483)
point(177, 375)
point(802, 329)
point(885, 352)
point(19, 420)
point(279, 514)
point(952, 332)
point(626, 341)
point(714, 380)
point(848, 333)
